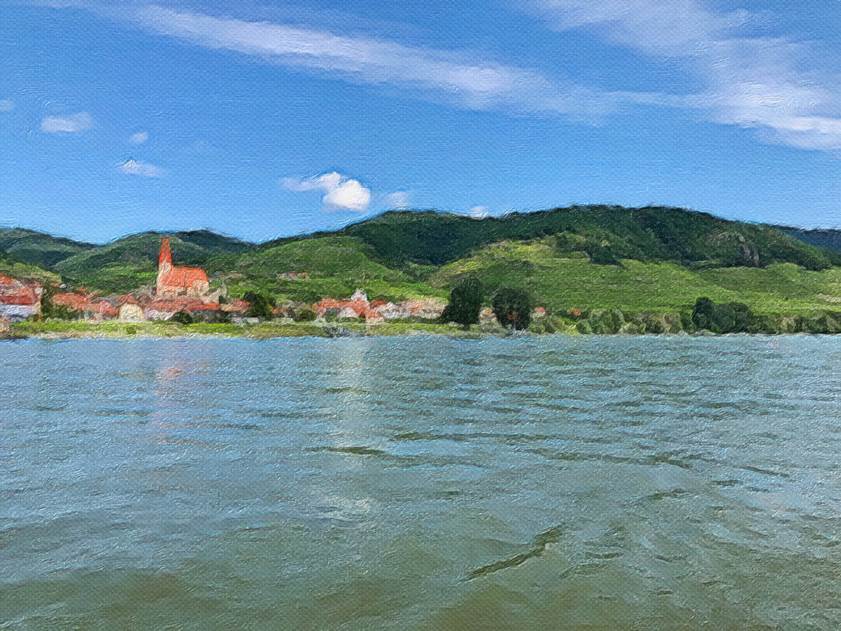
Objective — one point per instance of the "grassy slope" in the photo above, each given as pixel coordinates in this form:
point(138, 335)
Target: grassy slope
point(336, 267)
point(16, 269)
point(561, 281)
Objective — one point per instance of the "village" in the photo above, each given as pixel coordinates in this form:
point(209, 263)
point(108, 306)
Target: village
point(184, 294)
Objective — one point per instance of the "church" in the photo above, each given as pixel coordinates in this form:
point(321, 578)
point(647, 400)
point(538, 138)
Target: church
point(175, 281)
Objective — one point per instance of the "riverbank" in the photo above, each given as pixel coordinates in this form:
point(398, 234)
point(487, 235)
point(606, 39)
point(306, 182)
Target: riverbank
point(74, 329)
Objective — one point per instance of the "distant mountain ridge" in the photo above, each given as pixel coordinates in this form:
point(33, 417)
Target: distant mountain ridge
point(828, 238)
point(407, 253)
point(38, 248)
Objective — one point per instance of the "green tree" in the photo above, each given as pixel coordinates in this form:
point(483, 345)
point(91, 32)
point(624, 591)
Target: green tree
point(51, 310)
point(260, 305)
point(733, 317)
point(182, 317)
point(512, 307)
point(465, 303)
point(702, 313)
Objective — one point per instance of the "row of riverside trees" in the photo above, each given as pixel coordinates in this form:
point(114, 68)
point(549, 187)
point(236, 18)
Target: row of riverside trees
point(511, 306)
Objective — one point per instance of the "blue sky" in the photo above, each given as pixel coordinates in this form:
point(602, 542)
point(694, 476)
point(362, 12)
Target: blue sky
point(261, 119)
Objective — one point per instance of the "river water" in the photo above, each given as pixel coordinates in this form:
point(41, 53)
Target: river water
point(421, 483)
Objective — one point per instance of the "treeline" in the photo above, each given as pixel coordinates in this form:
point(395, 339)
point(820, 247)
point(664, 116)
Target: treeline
point(513, 309)
point(706, 316)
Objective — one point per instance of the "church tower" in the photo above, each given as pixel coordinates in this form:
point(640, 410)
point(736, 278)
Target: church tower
point(164, 263)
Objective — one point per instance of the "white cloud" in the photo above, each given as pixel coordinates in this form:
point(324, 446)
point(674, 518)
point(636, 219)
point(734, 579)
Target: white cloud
point(6, 105)
point(139, 138)
point(479, 212)
point(770, 84)
point(340, 191)
point(69, 124)
point(459, 78)
point(144, 169)
point(399, 200)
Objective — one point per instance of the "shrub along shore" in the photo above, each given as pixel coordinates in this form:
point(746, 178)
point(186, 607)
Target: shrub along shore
point(706, 318)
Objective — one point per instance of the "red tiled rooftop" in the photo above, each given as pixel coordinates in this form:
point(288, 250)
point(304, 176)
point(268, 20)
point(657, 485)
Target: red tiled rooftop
point(23, 296)
point(184, 277)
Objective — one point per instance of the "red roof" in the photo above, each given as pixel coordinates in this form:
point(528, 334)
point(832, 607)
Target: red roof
point(84, 303)
point(236, 306)
point(204, 306)
point(184, 277)
point(105, 308)
point(326, 304)
point(182, 304)
point(22, 296)
point(15, 292)
point(77, 302)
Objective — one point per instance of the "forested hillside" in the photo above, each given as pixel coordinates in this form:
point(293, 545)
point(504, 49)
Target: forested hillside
point(588, 256)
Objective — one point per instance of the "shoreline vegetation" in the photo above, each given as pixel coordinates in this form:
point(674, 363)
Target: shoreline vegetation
point(706, 319)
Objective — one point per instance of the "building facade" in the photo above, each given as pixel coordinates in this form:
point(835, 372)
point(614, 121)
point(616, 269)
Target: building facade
point(175, 281)
point(19, 300)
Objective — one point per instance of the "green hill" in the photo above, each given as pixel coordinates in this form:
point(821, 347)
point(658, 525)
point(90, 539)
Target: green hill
point(634, 259)
point(130, 262)
point(334, 266)
point(560, 281)
point(599, 257)
point(605, 233)
point(38, 248)
point(25, 271)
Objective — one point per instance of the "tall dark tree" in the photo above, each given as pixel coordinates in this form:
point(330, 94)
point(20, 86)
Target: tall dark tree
point(512, 307)
point(183, 317)
point(260, 305)
point(732, 317)
point(703, 313)
point(465, 302)
point(51, 310)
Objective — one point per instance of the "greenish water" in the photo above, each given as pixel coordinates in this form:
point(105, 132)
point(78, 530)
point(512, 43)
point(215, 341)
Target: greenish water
point(421, 482)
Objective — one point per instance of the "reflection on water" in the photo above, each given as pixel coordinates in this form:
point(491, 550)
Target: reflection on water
point(421, 483)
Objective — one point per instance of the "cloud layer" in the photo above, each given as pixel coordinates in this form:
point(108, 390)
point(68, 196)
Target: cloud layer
point(771, 84)
point(767, 83)
point(68, 124)
point(340, 191)
point(459, 78)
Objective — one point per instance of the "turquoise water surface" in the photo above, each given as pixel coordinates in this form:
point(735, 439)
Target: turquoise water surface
point(421, 483)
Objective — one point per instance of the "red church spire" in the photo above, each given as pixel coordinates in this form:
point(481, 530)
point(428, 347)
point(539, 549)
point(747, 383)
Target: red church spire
point(165, 257)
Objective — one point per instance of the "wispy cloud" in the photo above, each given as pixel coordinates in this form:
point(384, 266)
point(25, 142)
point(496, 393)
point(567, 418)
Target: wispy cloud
point(143, 169)
point(69, 124)
point(479, 212)
point(340, 191)
point(6, 105)
point(457, 77)
point(766, 83)
point(399, 200)
point(139, 137)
